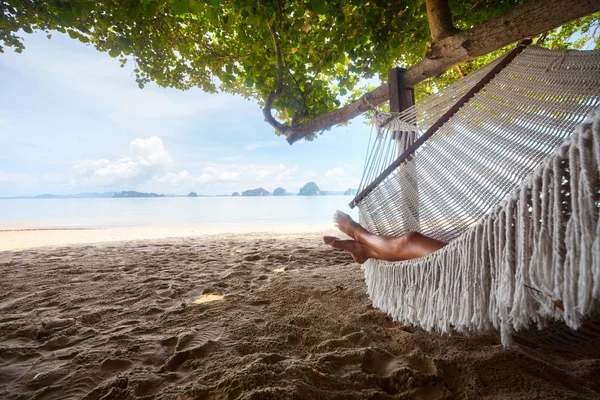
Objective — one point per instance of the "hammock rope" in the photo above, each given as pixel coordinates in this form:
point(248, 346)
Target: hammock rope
point(517, 202)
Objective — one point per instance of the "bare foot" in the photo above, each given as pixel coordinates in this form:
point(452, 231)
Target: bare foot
point(359, 252)
point(346, 224)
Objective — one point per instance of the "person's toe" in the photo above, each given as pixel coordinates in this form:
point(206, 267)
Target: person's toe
point(329, 239)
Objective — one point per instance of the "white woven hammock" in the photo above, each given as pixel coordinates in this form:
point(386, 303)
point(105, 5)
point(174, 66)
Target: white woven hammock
point(519, 208)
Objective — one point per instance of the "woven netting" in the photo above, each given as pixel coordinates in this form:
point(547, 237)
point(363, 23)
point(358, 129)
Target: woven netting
point(535, 257)
point(507, 266)
point(396, 131)
point(487, 148)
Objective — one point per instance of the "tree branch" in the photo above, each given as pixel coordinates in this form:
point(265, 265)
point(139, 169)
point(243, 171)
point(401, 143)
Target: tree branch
point(524, 21)
point(274, 96)
point(440, 19)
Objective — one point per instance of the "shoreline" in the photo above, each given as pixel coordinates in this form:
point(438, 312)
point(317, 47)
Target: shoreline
point(30, 238)
point(47, 229)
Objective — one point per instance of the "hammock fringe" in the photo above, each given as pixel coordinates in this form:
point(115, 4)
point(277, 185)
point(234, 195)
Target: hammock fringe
point(535, 257)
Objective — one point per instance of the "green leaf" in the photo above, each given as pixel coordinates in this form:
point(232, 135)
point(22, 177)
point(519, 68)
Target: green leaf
point(318, 6)
point(219, 45)
point(212, 17)
point(180, 6)
point(196, 6)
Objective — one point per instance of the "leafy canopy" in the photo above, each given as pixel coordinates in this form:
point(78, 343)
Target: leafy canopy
point(327, 47)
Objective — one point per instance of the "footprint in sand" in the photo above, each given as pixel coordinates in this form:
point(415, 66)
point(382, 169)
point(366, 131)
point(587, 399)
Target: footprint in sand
point(115, 365)
point(190, 346)
point(252, 257)
point(279, 256)
point(259, 303)
point(272, 359)
point(146, 385)
point(182, 359)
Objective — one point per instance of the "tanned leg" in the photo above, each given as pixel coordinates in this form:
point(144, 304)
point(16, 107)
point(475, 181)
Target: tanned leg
point(389, 248)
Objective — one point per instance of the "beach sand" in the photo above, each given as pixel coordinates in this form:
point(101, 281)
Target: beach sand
point(237, 316)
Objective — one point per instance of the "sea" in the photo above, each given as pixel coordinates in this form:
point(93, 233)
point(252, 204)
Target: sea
point(245, 214)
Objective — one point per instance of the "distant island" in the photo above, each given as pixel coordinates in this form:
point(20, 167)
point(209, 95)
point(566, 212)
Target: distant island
point(310, 189)
point(279, 192)
point(256, 192)
point(133, 193)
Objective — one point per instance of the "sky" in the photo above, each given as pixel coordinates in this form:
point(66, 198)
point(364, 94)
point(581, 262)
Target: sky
point(72, 120)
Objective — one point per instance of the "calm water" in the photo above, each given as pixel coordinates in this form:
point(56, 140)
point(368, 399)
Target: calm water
point(235, 212)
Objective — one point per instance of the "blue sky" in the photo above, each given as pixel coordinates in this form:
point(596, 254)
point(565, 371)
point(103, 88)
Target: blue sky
point(72, 120)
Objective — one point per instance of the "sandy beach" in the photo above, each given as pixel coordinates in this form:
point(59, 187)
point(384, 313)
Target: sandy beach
point(239, 316)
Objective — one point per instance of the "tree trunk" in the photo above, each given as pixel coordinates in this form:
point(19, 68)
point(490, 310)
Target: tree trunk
point(524, 21)
point(440, 19)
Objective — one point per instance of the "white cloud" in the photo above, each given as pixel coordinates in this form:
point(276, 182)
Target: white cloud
point(150, 152)
point(117, 173)
point(149, 157)
point(335, 172)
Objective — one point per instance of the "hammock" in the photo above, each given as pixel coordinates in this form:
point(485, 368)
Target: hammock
point(511, 181)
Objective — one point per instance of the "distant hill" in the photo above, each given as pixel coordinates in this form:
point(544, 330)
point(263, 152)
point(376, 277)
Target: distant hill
point(133, 193)
point(256, 192)
point(311, 189)
point(279, 192)
point(76, 196)
point(66, 196)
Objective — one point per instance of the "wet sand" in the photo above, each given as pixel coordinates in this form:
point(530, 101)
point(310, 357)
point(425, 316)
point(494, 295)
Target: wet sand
point(237, 316)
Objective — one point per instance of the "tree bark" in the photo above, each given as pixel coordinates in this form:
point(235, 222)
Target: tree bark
point(274, 96)
point(524, 21)
point(440, 19)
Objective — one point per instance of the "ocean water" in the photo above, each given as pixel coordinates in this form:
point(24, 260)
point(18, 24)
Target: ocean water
point(238, 213)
